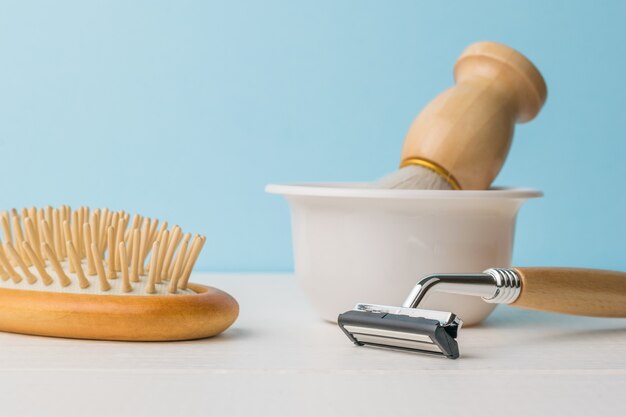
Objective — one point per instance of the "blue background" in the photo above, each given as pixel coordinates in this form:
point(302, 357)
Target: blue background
point(185, 110)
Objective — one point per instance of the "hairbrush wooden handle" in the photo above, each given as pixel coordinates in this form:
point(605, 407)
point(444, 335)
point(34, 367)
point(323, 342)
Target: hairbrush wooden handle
point(587, 292)
point(465, 133)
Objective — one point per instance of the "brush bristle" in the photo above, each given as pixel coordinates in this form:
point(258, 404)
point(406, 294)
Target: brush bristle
point(412, 177)
point(94, 251)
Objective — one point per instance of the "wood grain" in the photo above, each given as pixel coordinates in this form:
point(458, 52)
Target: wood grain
point(118, 317)
point(467, 130)
point(585, 292)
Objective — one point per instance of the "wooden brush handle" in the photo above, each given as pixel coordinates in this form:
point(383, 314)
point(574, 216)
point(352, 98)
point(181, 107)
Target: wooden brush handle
point(586, 292)
point(465, 133)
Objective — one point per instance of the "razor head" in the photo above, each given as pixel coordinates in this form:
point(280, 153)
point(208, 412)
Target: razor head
point(409, 329)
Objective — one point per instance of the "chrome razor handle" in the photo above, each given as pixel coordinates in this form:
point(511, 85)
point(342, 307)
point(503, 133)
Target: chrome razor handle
point(578, 291)
point(495, 285)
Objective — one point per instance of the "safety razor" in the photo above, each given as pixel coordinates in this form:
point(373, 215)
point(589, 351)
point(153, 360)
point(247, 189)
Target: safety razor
point(587, 292)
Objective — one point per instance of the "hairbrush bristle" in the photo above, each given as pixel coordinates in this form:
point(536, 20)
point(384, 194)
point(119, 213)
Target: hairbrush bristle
point(413, 177)
point(57, 249)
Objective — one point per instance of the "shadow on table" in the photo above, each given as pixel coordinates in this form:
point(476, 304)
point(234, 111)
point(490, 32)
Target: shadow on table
point(510, 317)
point(228, 336)
point(561, 327)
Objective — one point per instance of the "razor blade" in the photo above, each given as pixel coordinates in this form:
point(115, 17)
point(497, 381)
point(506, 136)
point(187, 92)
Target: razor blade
point(410, 329)
point(426, 331)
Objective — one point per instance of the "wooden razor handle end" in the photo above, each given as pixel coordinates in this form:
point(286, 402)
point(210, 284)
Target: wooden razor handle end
point(586, 292)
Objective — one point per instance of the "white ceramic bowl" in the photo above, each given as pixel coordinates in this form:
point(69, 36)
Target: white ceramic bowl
point(355, 244)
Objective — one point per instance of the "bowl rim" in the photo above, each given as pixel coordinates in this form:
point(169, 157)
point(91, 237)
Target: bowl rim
point(359, 190)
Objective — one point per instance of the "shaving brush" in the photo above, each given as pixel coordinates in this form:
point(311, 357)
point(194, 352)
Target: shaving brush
point(461, 139)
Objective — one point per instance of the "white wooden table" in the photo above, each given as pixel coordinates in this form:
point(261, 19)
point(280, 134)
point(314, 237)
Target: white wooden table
point(280, 360)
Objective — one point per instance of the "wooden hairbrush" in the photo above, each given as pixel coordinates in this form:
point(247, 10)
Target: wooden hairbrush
point(97, 275)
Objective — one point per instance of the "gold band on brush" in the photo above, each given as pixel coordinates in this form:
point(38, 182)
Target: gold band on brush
point(436, 168)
